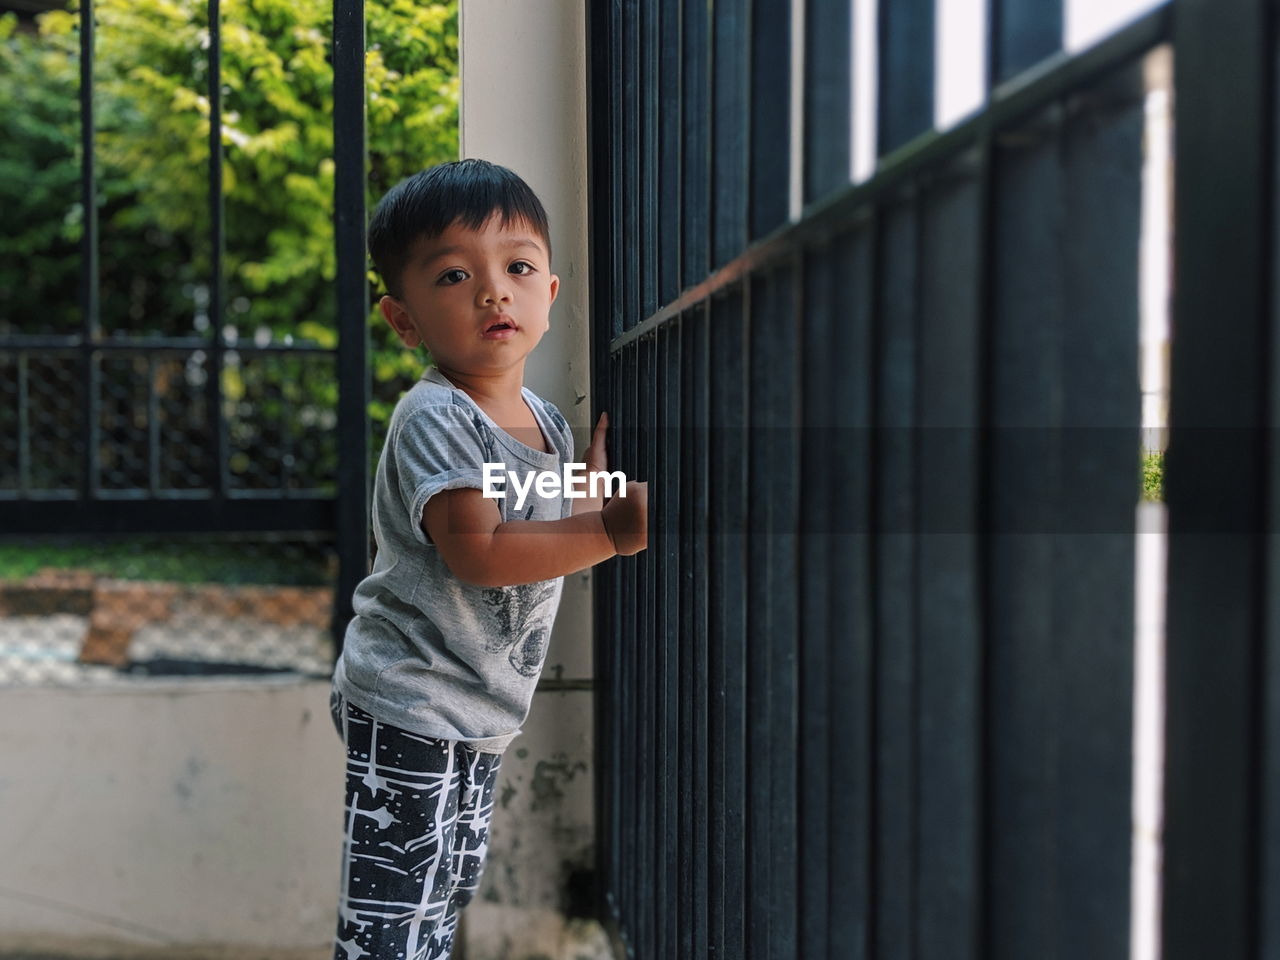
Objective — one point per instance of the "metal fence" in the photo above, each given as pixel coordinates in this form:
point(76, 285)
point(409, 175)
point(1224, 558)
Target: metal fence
point(124, 441)
point(870, 691)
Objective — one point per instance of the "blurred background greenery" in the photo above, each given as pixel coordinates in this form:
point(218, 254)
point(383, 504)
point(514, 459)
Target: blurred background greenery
point(211, 559)
point(151, 142)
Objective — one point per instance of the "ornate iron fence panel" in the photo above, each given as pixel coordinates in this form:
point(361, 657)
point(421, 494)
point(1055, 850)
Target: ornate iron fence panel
point(191, 441)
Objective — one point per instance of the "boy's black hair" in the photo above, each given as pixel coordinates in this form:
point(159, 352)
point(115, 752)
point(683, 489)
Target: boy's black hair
point(466, 192)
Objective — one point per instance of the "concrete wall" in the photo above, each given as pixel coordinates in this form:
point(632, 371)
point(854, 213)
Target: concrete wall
point(169, 818)
point(524, 106)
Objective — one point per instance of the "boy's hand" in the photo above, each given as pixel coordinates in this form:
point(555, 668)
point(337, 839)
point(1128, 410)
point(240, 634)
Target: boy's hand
point(626, 519)
point(596, 460)
point(595, 456)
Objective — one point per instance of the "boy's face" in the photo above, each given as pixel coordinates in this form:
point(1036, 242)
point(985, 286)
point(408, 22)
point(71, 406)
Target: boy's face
point(479, 299)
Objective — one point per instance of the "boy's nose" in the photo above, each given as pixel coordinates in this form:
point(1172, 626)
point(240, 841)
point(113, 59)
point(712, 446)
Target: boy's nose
point(495, 291)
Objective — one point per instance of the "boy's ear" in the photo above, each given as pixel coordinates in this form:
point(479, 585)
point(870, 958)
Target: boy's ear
point(399, 320)
point(555, 288)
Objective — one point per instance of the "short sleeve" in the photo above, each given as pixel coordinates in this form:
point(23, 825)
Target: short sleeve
point(437, 448)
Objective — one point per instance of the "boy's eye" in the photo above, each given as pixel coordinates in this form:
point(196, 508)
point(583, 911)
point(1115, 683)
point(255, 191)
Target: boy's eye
point(450, 277)
point(520, 268)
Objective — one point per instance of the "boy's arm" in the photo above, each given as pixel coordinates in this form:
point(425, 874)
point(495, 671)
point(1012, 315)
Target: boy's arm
point(480, 548)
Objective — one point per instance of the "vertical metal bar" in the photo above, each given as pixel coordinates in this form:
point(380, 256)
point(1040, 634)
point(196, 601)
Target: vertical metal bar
point(737, 745)
point(24, 424)
point(817, 440)
point(649, 668)
point(948, 585)
point(277, 368)
point(664, 743)
point(631, 166)
point(730, 140)
point(781, 434)
point(625, 779)
point(605, 675)
point(1024, 474)
point(1100, 441)
point(653, 640)
point(670, 150)
point(894, 604)
point(220, 480)
point(640, 613)
point(759, 690)
point(284, 376)
point(619, 251)
point(631, 673)
point(850, 299)
point(641, 678)
point(649, 157)
point(603, 146)
point(677, 718)
point(619, 774)
point(827, 107)
point(773, 456)
point(601, 192)
point(89, 292)
point(770, 123)
point(631, 810)
point(1219, 492)
point(698, 579)
point(604, 684)
point(153, 427)
point(108, 411)
point(984, 304)
point(727, 628)
point(635, 695)
point(696, 123)
point(685, 447)
point(352, 306)
point(694, 677)
point(1021, 33)
point(906, 67)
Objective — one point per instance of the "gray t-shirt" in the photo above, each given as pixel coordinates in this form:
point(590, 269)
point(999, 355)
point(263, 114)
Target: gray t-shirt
point(426, 651)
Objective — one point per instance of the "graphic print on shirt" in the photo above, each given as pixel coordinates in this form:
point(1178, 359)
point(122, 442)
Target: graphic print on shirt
point(521, 624)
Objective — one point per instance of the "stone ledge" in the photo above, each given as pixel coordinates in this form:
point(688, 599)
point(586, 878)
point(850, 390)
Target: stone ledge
point(48, 592)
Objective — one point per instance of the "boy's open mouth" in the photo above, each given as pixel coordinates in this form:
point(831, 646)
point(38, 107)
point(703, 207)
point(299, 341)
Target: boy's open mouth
point(500, 329)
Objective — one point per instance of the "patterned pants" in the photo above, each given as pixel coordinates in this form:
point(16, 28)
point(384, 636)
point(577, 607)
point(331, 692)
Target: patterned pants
point(417, 831)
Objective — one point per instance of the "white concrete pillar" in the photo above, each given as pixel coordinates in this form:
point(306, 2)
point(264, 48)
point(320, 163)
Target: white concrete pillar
point(523, 105)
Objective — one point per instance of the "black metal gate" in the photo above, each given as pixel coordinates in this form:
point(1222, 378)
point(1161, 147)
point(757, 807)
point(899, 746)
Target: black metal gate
point(869, 693)
point(175, 476)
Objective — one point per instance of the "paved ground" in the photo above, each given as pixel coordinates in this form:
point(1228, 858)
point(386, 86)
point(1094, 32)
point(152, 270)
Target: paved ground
point(43, 650)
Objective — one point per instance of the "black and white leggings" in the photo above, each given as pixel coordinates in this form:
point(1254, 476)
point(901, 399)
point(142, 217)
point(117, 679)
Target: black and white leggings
point(416, 835)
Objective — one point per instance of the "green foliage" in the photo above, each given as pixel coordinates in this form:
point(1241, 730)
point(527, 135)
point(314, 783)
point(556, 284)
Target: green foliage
point(204, 561)
point(151, 141)
point(39, 180)
point(1153, 476)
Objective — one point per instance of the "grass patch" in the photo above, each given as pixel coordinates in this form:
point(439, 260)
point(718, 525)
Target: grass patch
point(212, 561)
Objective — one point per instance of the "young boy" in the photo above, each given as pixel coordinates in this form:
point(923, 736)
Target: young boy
point(451, 628)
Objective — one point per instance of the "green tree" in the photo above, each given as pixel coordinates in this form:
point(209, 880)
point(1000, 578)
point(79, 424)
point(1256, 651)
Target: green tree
point(151, 144)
